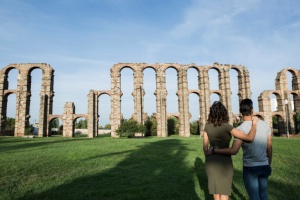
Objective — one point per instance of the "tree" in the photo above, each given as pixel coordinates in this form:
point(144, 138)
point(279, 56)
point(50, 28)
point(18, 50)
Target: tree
point(173, 126)
point(10, 123)
point(55, 123)
point(81, 124)
point(107, 126)
point(150, 126)
point(129, 127)
point(297, 121)
point(194, 127)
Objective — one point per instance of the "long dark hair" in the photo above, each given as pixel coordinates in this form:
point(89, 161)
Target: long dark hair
point(218, 114)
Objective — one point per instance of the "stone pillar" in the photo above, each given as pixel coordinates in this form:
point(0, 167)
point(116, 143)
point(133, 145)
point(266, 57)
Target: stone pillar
point(138, 96)
point(96, 115)
point(205, 95)
point(115, 98)
point(227, 94)
point(91, 114)
point(3, 98)
point(68, 124)
point(246, 84)
point(183, 103)
point(22, 97)
point(161, 105)
point(46, 99)
point(296, 89)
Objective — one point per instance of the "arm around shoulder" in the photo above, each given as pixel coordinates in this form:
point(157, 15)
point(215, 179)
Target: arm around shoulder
point(233, 150)
point(246, 137)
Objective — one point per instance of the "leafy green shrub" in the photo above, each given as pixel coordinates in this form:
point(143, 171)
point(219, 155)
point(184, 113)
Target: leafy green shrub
point(173, 126)
point(28, 130)
point(129, 127)
point(194, 127)
point(297, 121)
point(10, 123)
point(150, 126)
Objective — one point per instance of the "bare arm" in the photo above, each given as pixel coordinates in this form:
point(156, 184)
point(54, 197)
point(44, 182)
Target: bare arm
point(205, 143)
point(269, 148)
point(233, 150)
point(246, 137)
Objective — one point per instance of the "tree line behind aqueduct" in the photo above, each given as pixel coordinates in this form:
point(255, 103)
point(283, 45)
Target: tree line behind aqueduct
point(288, 99)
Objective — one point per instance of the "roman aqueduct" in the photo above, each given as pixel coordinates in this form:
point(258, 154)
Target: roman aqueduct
point(23, 96)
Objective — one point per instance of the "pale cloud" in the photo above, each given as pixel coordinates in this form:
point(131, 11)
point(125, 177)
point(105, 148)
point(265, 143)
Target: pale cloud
point(210, 16)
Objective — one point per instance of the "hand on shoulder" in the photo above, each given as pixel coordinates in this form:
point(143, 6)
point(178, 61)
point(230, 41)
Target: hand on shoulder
point(255, 120)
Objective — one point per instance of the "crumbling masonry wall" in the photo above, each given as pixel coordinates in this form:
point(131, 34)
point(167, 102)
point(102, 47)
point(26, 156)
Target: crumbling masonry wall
point(161, 93)
point(203, 91)
point(282, 94)
point(23, 95)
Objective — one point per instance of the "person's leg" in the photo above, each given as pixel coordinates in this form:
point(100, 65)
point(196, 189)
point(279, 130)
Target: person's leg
point(251, 182)
point(224, 197)
point(217, 197)
point(263, 184)
point(264, 173)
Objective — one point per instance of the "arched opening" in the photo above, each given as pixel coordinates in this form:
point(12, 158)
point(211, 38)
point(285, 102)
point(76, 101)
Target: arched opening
point(273, 103)
point(8, 127)
point(34, 83)
point(149, 88)
point(192, 77)
point(80, 127)
point(151, 126)
point(12, 78)
point(172, 87)
point(104, 109)
point(234, 86)
point(292, 98)
point(9, 103)
point(214, 97)
point(127, 103)
point(213, 75)
point(173, 125)
point(296, 117)
point(194, 107)
point(195, 114)
point(56, 127)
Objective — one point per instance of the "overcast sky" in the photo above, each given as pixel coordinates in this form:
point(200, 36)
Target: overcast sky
point(82, 39)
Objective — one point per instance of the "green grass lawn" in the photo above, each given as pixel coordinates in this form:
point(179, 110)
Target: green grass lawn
point(141, 168)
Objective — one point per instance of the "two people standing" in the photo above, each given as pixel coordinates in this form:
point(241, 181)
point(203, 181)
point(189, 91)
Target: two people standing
point(253, 135)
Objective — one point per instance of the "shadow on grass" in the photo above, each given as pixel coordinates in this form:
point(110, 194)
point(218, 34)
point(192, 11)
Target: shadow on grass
point(279, 190)
point(202, 178)
point(26, 143)
point(144, 174)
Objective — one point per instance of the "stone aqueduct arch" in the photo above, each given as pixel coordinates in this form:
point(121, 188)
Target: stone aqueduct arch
point(161, 114)
point(23, 94)
point(282, 93)
point(46, 96)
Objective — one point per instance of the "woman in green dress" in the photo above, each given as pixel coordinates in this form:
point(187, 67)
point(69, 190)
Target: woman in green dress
point(218, 133)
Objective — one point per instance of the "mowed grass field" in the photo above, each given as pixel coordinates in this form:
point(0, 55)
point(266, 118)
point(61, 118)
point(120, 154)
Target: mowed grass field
point(118, 168)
